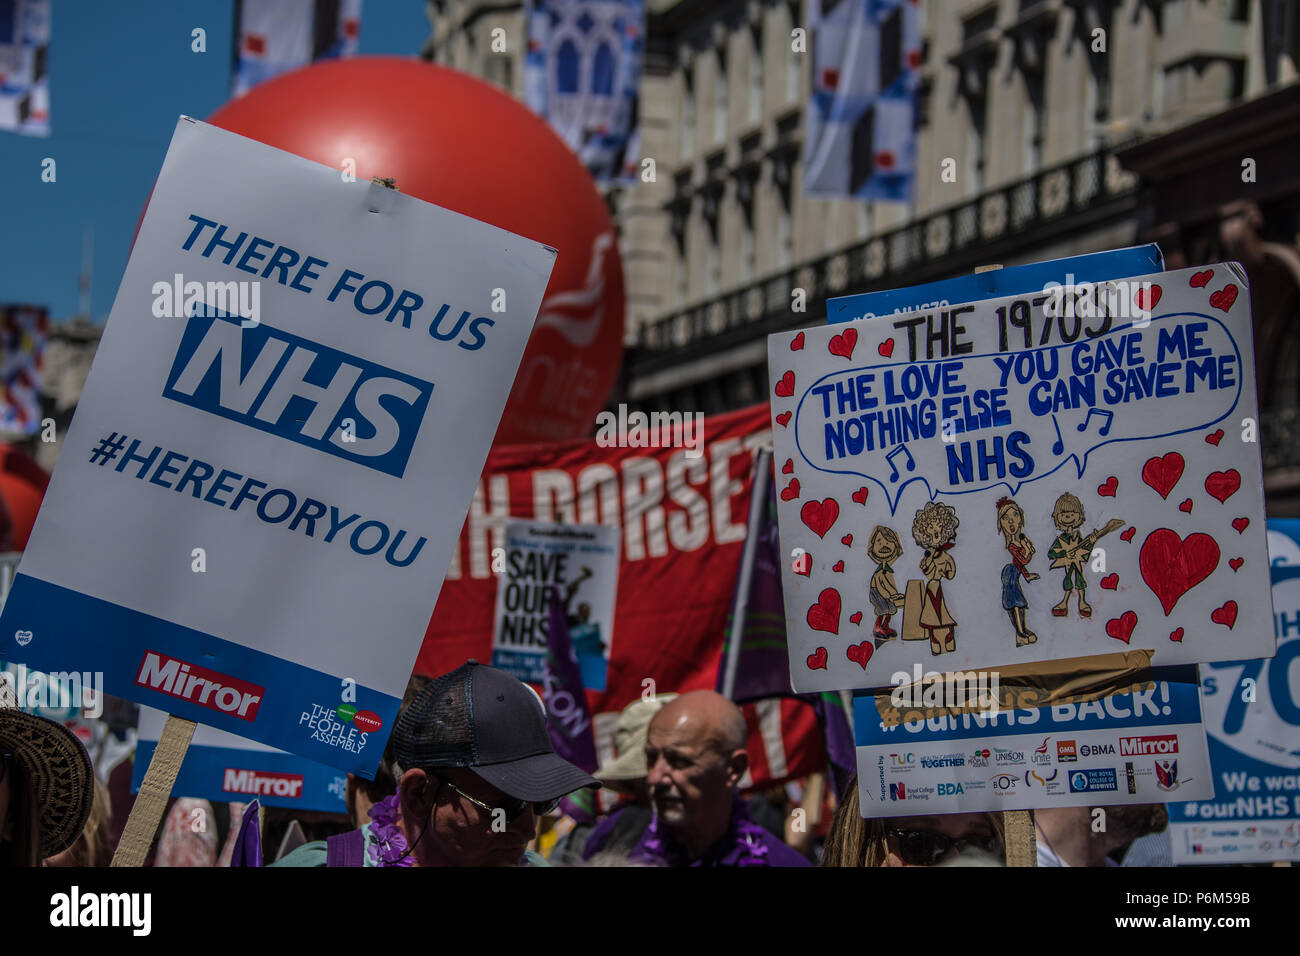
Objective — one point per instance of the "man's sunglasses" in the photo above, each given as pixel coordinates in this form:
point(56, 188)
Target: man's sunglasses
point(928, 847)
point(512, 807)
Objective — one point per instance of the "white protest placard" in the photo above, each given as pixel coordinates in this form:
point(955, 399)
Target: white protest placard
point(578, 564)
point(1143, 746)
point(273, 454)
point(1023, 479)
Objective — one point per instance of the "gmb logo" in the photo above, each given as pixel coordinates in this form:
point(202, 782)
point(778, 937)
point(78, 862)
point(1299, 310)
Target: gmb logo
point(297, 389)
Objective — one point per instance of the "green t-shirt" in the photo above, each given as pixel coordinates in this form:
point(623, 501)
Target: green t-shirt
point(314, 854)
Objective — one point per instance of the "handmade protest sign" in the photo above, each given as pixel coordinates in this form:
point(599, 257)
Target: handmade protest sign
point(576, 564)
point(1252, 716)
point(1135, 747)
point(1050, 476)
point(272, 458)
point(222, 767)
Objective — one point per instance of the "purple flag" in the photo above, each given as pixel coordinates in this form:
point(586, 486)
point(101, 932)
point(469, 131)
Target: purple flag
point(248, 846)
point(569, 717)
point(838, 734)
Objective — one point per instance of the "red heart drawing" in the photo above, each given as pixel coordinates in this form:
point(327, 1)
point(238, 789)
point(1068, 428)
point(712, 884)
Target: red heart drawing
point(1152, 292)
point(783, 419)
point(860, 653)
point(1223, 484)
point(825, 614)
point(860, 496)
point(1110, 582)
point(1236, 563)
point(820, 515)
point(788, 466)
point(1224, 298)
point(1171, 566)
point(1240, 524)
point(847, 540)
point(785, 387)
point(817, 660)
point(886, 348)
point(803, 564)
point(1176, 635)
point(1107, 488)
point(1226, 615)
point(796, 343)
point(1121, 628)
point(1128, 535)
point(1199, 279)
point(844, 343)
point(1162, 473)
point(790, 491)
point(838, 566)
point(856, 617)
point(1215, 438)
point(1186, 505)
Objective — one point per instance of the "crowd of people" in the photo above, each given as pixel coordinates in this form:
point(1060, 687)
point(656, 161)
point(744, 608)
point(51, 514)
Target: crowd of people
point(470, 778)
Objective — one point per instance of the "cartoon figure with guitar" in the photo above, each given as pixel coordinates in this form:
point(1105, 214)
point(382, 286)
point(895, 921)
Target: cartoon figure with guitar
point(1071, 551)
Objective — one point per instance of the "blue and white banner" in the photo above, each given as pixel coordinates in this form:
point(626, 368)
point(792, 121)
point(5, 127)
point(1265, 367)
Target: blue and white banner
point(222, 767)
point(270, 466)
point(25, 66)
point(582, 74)
point(1072, 272)
point(861, 118)
point(575, 564)
point(1252, 716)
point(276, 36)
point(1137, 747)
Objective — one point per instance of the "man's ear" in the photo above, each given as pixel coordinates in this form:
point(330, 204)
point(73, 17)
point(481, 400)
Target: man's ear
point(418, 791)
point(737, 764)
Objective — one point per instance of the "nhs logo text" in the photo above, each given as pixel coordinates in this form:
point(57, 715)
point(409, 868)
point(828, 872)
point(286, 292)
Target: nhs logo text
point(289, 386)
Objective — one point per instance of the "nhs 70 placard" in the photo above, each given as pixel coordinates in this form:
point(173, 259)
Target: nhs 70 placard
point(252, 515)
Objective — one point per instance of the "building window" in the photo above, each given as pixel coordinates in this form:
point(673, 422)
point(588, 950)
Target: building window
point(688, 113)
point(1034, 122)
point(720, 96)
point(712, 262)
point(755, 114)
point(866, 220)
point(784, 227)
point(976, 143)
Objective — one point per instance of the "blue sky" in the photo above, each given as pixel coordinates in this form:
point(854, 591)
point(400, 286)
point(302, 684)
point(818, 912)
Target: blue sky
point(120, 74)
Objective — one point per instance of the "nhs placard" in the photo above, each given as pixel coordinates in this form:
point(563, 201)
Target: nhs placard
point(272, 458)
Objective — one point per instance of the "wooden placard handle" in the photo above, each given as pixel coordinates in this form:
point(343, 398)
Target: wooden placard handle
point(155, 789)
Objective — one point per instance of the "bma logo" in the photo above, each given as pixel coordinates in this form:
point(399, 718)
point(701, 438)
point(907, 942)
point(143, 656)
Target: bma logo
point(897, 791)
point(1095, 750)
point(902, 760)
point(298, 389)
point(950, 789)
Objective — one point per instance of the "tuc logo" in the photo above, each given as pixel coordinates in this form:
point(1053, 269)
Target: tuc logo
point(902, 760)
point(297, 389)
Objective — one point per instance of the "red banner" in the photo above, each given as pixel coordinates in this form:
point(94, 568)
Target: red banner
point(682, 513)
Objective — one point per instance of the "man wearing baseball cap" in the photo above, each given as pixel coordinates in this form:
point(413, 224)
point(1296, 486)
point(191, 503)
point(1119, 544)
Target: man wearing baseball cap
point(475, 769)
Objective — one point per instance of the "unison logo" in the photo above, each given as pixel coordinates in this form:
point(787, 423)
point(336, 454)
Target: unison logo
point(298, 389)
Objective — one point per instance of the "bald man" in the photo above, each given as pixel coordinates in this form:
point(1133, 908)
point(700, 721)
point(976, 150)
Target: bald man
point(695, 758)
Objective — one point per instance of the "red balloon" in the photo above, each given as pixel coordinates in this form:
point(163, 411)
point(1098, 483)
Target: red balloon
point(457, 142)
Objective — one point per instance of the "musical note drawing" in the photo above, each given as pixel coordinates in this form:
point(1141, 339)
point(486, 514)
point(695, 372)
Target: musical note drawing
point(911, 462)
point(1102, 413)
point(1059, 445)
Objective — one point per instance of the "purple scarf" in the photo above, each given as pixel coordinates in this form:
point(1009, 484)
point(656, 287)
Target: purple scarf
point(744, 844)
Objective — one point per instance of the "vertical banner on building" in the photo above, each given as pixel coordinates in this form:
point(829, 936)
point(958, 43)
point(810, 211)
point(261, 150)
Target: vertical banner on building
point(582, 74)
point(576, 564)
point(23, 333)
point(1252, 717)
point(861, 132)
point(270, 466)
point(276, 36)
point(25, 66)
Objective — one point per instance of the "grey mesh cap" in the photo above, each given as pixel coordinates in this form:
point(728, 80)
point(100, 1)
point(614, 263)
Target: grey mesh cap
point(484, 719)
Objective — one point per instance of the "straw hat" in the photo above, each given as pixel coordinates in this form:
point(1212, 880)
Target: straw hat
point(629, 739)
point(57, 764)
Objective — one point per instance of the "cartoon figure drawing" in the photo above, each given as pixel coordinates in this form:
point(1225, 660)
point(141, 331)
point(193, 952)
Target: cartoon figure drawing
point(585, 635)
point(1011, 522)
point(883, 548)
point(935, 529)
point(1070, 551)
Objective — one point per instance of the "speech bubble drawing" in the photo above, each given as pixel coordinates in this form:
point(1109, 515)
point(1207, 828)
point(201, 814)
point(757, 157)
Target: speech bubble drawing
point(1018, 416)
